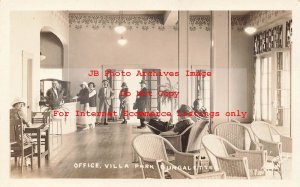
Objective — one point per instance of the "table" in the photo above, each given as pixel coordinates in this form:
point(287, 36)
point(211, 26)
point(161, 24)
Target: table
point(37, 129)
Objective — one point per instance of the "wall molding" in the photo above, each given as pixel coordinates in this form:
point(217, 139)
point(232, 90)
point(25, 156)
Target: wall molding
point(142, 23)
point(155, 22)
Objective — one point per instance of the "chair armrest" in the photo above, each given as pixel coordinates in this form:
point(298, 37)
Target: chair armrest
point(286, 144)
point(273, 148)
point(256, 159)
point(185, 130)
point(176, 172)
point(189, 162)
point(256, 145)
point(153, 129)
point(151, 160)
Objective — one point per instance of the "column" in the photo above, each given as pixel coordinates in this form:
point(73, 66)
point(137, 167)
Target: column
point(220, 63)
point(183, 64)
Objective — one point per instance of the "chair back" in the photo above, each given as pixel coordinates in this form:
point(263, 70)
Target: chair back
point(214, 147)
point(262, 130)
point(150, 149)
point(198, 130)
point(40, 117)
point(236, 133)
point(216, 150)
point(150, 146)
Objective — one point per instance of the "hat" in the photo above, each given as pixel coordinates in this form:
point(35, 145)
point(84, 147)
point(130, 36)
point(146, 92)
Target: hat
point(84, 83)
point(18, 100)
point(104, 80)
point(124, 84)
point(143, 82)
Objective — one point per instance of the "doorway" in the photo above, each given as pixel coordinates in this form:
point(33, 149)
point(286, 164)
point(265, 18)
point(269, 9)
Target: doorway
point(27, 81)
point(133, 86)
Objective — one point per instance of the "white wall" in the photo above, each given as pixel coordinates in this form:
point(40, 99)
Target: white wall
point(241, 74)
point(25, 36)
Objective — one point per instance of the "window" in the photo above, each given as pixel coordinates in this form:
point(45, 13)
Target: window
point(153, 83)
point(263, 89)
point(203, 89)
point(272, 88)
point(266, 86)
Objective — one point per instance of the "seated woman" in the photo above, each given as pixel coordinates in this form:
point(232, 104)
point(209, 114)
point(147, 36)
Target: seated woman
point(17, 113)
point(158, 124)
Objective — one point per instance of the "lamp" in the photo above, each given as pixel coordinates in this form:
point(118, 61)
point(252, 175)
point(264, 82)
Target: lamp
point(122, 41)
point(42, 57)
point(120, 29)
point(250, 30)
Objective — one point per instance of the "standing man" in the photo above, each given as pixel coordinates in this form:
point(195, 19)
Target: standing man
point(142, 103)
point(105, 95)
point(54, 96)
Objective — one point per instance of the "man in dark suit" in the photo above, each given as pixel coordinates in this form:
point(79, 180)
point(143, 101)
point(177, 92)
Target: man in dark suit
point(53, 95)
point(142, 103)
point(105, 95)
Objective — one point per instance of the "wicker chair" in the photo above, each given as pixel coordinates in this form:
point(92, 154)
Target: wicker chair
point(234, 165)
point(193, 134)
point(151, 150)
point(18, 149)
point(238, 135)
point(273, 142)
point(177, 139)
point(177, 173)
point(198, 130)
point(271, 139)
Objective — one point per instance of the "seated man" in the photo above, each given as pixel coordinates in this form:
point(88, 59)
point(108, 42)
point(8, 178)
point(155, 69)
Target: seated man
point(184, 121)
point(199, 109)
point(158, 124)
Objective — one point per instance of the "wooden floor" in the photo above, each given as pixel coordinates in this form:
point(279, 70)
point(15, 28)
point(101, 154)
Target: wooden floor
point(109, 146)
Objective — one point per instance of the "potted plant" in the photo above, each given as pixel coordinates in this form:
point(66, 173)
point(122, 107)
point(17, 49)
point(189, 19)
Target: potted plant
point(169, 86)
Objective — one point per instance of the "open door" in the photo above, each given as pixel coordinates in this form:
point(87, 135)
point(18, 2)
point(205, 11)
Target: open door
point(27, 81)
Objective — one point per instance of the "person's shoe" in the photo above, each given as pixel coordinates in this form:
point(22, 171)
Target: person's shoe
point(105, 123)
point(141, 127)
point(124, 122)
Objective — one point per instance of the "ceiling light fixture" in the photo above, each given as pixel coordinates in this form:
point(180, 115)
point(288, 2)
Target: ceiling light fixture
point(122, 41)
point(120, 29)
point(250, 30)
